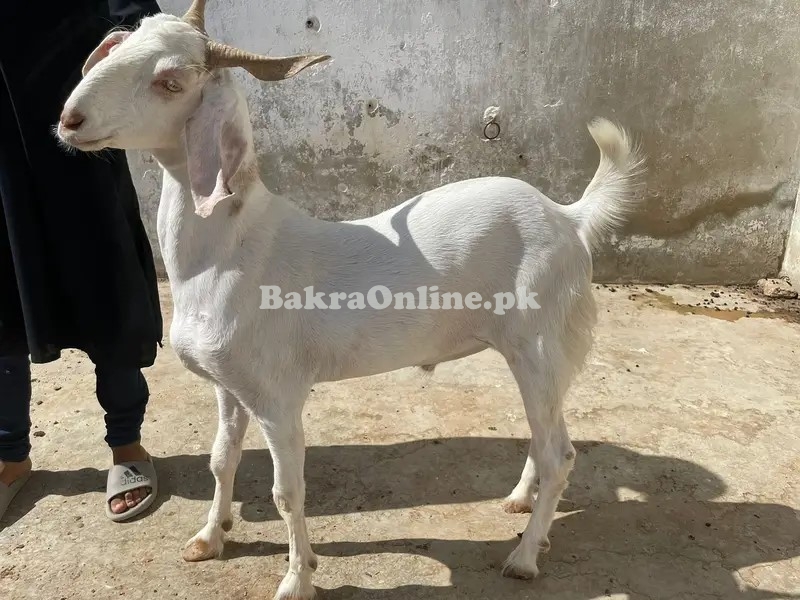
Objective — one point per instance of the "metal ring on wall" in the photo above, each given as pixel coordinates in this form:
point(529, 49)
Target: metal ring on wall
point(486, 129)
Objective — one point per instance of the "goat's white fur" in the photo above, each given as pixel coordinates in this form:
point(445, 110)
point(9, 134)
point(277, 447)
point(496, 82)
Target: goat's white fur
point(485, 235)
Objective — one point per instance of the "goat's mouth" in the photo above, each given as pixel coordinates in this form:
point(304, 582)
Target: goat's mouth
point(87, 145)
point(73, 140)
point(97, 144)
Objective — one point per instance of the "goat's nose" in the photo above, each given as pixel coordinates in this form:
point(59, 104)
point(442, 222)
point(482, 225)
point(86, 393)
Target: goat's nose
point(72, 120)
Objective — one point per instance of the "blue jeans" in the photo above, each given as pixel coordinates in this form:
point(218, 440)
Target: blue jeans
point(121, 391)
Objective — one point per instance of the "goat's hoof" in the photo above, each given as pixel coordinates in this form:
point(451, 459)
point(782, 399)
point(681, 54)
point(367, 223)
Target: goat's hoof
point(514, 506)
point(227, 525)
point(296, 587)
point(515, 569)
point(517, 572)
point(198, 549)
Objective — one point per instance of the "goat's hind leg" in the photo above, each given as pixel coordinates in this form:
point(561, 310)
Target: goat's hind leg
point(542, 386)
point(520, 500)
point(225, 456)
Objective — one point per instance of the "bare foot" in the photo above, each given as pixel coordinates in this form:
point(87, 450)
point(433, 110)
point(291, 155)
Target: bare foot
point(11, 471)
point(123, 502)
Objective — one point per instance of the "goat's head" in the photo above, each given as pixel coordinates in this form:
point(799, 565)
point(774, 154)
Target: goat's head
point(160, 86)
point(139, 88)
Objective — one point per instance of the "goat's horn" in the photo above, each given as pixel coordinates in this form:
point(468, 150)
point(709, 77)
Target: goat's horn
point(264, 68)
point(195, 16)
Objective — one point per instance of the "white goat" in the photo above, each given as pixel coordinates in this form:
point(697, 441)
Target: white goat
point(223, 235)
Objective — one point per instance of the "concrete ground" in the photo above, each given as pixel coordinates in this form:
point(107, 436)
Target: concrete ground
point(687, 482)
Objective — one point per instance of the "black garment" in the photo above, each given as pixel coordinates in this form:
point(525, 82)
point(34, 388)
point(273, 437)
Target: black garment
point(121, 391)
point(76, 267)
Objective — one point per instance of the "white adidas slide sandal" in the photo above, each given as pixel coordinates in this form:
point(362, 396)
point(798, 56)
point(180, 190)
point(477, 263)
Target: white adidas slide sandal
point(7, 492)
point(126, 477)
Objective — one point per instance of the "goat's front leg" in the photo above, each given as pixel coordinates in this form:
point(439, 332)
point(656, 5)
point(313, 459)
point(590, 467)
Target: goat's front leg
point(283, 428)
point(225, 456)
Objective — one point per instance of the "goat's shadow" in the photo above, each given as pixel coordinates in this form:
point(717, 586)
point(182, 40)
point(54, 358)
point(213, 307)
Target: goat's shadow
point(673, 541)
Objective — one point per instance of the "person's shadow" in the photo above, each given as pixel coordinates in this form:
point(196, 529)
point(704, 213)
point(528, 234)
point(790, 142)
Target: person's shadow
point(672, 541)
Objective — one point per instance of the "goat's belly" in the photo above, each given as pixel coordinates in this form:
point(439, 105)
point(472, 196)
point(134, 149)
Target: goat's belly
point(363, 364)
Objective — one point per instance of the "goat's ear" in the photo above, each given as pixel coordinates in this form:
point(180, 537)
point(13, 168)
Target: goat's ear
point(104, 49)
point(215, 147)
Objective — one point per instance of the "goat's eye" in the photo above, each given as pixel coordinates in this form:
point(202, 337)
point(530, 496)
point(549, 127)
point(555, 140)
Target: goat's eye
point(171, 85)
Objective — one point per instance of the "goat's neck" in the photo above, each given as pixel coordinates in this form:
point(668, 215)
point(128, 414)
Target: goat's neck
point(191, 244)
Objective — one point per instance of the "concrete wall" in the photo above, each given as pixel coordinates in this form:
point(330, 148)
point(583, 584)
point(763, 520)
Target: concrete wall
point(710, 86)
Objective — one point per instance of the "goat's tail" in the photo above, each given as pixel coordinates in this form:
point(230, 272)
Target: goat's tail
point(612, 193)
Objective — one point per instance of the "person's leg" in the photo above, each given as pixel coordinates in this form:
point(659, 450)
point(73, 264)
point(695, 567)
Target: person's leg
point(15, 420)
point(123, 394)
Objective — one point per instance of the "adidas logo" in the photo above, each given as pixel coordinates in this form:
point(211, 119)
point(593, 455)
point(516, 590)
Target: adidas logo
point(132, 475)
